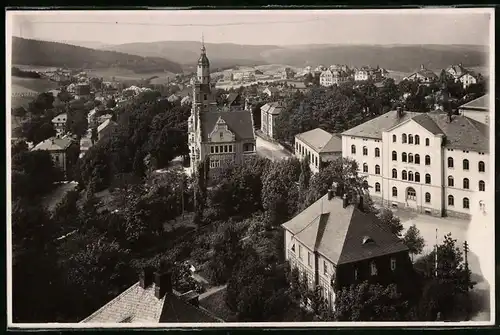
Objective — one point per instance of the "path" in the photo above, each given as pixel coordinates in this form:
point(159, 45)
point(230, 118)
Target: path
point(50, 201)
point(270, 150)
point(211, 291)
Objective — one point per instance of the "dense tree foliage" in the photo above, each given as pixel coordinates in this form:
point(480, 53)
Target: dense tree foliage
point(414, 241)
point(388, 218)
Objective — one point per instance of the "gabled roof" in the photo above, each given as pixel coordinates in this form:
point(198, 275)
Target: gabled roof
point(337, 233)
point(428, 123)
point(479, 104)
point(458, 69)
point(321, 140)
point(273, 108)
point(106, 124)
point(139, 305)
point(231, 98)
point(374, 127)
point(54, 144)
point(239, 122)
point(57, 119)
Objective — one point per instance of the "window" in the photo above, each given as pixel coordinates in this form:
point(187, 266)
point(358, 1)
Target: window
point(427, 160)
point(482, 186)
point(204, 97)
point(427, 197)
point(394, 173)
point(393, 264)
point(417, 159)
point(217, 149)
point(300, 251)
point(377, 187)
point(225, 148)
point(410, 139)
point(410, 176)
point(466, 183)
point(394, 156)
point(427, 142)
point(230, 148)
point(353, 149)
point(427, 178)
point(417, 140)
point(377, 169)
point(480, 166)
point(450, 162)
point(373, 269)
point(410, 158)
point(404, 175)
point(394, 138)
point(451, 200)
point(309, 259)
point(394, 191)
point(466, 202)
point(325, 268)
point(355, 274)
point(411, 194)
point(403, 138)
point(316, 161)
point(417, 177)
point(451, 182)
point(403, 157)
point(365, 151)
point(212, 150)
point(377, 152)
point(466, 164)
point(365, 167)
point(293, 248)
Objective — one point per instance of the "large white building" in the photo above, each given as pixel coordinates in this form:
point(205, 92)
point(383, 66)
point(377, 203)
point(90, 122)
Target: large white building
point(329, 78)
point(430, 162)
point(318, 146)
point(477, 109)
point(269, 113)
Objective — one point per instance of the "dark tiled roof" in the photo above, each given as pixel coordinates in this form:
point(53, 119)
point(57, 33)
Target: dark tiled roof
point(479, 104)
point(54, 144)
point(374, 127)
point(138, 305)
point(239, 122)
point(428, 123)
point(337, 232)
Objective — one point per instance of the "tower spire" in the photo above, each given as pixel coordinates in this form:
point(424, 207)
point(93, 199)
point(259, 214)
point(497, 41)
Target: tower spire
point(202, 43)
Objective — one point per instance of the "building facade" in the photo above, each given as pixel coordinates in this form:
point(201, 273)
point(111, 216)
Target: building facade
point(63, 150)
point(477, 109)
point(269, 113)
point(318, 146)
point(429, 162)
point(216, 133)
point(424, 76)
point(329, 78)
point(59, 122)
point(468, 79)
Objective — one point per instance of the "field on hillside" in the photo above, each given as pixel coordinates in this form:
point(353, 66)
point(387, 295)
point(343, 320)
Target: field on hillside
point(120, 74)
point(31, 85)
point(35, 68)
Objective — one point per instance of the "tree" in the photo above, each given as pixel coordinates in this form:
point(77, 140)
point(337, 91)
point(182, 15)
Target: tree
point(111, 103)
point(414, 241)
point(77, 122)
point(387, 217)
point(37, 129)
point(304, 179)
point(370, 302)
point(64, 96)
point(18, 147)
point(94, 135)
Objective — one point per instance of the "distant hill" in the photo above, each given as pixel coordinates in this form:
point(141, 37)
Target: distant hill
point(43, 53)
point(404, 58)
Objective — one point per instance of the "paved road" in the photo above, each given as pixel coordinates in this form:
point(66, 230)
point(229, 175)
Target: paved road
point(51, 200)
point(270, 150)
point(211, 291)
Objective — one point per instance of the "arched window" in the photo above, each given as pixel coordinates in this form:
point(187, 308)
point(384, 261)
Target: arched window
point(427, 197)
point(417, 177)
point(404, 175)
point(365, 167)
point(480, 166)
point(450, 162)
point(417, 140)
point(450, 181)
point(377, 169)
point(451, 200)
point(353, 149)
point(403, 157)
point(403, 138)
point(417, 159)
point(411, 194)
point(466, 183)
point(394, 138)
point(394, 156)
point(394, 191)
point(427, 142)
point(466, 202)
point(466, 164)
point(410, 158)
point(427, 178)
point(410, 139)
point(482, 186)
point(365, 151)
point(410, 176)
point(377, 152)
point(377, 187)
point(394, 173)
point(427, 160)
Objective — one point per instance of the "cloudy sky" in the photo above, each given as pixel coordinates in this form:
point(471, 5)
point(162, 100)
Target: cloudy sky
point(421, 26)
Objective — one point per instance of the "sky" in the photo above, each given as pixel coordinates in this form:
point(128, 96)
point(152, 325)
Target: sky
point(258, 27)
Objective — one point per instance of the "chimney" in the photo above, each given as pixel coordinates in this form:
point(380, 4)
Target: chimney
point(163, 284)
point(345, 200)
point(422, 67)
point(399, 111)
point(146, 277)
point(330, 194)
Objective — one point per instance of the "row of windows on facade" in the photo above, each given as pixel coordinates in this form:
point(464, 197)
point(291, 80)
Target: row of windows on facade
point(411, 195)
point(312, 159)
point(410, 139)
point(215, 163)
point(373, 266)
point(215, 149)
point(465, 164)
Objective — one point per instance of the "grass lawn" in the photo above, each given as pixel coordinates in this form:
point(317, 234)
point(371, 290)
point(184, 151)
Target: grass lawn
point(216, 304)
point(31, 85)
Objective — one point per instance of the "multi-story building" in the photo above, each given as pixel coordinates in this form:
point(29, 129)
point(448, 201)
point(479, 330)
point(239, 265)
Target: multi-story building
point(329, 78)
point(59, 122)
point(336, 242)
point(477, 109)
point(63, 150)
point(318, 146)
point(429, 162)
point(269, 113)
point(456, 71)
point(214, 132)
point(425, 76)
point(468, 79)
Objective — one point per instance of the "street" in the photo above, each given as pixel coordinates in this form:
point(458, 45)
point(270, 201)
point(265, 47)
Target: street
point(270, 150)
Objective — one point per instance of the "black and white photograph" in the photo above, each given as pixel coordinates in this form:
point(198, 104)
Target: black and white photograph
point(237, 168)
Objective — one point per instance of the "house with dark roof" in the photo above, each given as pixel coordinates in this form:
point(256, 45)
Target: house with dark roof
point(269, 113)
point(337, 242)
point(318, 146)
point(106, 128)
point(469, 78)
point(432, 162)
point(152, 300)
point(219, 134)
point(271, 91)
point(63, 150)
point(477, 109)
point(456, 70)
point(423, 75)
point(59, 122)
